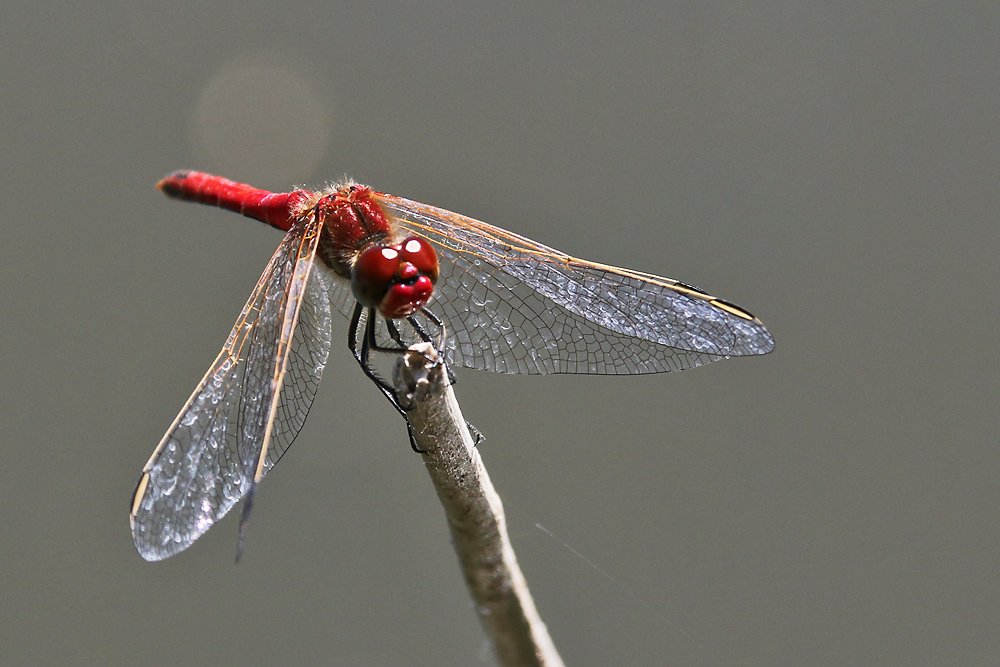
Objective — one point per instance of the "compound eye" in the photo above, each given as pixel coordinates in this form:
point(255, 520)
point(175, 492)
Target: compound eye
point(373, 273)
point(419, 252)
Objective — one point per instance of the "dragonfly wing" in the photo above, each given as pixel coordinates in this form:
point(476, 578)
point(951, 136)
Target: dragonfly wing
point(199, 471)
point(515, 306)
point(285, 362)
point(306, 360)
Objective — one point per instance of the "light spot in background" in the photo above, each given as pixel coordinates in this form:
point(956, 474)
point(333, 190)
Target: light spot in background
point(262, 120)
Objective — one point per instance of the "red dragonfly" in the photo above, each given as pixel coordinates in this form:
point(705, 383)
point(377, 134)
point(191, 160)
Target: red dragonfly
point(402, 272)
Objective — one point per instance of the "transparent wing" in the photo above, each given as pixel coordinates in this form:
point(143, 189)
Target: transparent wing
point(247, 409)
point(515, 306)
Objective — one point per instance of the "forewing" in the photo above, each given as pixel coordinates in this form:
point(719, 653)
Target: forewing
point(515, 306)
point(198, 471)
point(307, 356)
point(285, 361)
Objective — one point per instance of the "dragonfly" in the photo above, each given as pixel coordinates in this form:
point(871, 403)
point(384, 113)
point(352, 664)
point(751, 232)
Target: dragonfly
point(401, 272)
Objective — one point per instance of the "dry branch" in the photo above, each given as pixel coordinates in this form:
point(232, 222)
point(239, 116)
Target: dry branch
point(474, 512)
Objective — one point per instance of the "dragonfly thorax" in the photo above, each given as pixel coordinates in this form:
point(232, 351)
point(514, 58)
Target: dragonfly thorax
point(350, 221)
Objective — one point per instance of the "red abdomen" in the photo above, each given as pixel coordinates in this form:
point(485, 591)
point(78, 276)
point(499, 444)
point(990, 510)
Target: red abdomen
point(278, 209)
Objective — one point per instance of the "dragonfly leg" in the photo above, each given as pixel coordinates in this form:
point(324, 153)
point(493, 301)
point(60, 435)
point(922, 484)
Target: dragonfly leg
point(476, 434)
point(362, 357)
point(369, 343)
point(426, 337)
point(362, 354)
point(418, 329)
point(394, 333)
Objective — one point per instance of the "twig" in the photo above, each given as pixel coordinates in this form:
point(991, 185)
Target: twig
point(474, 512)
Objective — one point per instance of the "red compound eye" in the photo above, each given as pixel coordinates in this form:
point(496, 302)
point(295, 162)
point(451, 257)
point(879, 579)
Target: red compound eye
point(420, 253)
point(398, 280)
point(372, 274)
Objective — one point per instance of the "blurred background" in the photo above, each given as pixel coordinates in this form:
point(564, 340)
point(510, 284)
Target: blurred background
point(830, 167)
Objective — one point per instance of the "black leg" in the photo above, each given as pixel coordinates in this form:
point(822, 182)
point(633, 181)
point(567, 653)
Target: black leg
point(424, 336)
point(372, 341)
point(442, 338)
point(362, 356)
point(369, 343)
point(476, 434)
point(394, 333)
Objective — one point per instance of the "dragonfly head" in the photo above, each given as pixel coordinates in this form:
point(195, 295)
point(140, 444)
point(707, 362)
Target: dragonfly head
point(396, 279)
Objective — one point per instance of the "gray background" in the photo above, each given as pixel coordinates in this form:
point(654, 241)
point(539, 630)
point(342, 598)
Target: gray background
point(832, 168)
